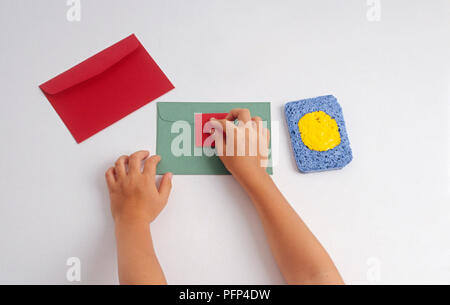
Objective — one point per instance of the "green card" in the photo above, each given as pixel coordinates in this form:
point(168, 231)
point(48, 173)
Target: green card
point(176, 121)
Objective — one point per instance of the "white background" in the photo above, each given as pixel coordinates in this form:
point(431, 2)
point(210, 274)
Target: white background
point(387, 213)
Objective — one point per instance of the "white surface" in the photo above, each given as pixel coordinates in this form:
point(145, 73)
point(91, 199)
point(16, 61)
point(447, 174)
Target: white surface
point(389, 208)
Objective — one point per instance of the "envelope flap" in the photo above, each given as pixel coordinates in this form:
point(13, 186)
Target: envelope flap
point(185, 111)
point(93, 66)
point(173, 112)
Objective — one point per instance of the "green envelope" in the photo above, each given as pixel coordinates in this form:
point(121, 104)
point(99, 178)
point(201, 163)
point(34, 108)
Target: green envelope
point(192, 164)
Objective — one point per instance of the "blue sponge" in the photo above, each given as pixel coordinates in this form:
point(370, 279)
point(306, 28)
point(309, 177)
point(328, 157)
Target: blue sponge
point(311, 160)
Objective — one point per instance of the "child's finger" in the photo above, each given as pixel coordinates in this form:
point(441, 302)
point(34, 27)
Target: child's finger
point(266, 132)
point(110, 178)
point(256, 119)
point(120, 168)
point(217, 124)
point(219, 127)
point(166, 185)
point(258, 122)
point(134, 164)
point(150, 165)
point(219, 143)
point(240, 114)
point(264, 151)
point(222, 125)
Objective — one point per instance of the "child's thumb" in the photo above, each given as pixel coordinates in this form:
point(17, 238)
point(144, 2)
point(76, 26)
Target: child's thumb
point(166, 185)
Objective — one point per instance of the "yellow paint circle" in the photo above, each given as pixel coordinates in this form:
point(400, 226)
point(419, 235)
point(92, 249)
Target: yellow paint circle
point(319, 131)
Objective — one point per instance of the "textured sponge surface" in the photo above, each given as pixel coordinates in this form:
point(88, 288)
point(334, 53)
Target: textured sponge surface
point(311, 160)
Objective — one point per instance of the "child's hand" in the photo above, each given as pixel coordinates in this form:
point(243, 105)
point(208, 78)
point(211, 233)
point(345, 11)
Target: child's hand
point(248, 163)
point(135, 199)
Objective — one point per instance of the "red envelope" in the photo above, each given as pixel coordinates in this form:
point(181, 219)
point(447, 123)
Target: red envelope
point(106, 87)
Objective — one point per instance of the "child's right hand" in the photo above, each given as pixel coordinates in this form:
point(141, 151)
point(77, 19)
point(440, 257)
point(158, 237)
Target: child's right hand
point(248, 163)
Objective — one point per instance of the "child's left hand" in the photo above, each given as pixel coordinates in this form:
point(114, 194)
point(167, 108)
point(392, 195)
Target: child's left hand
point(135, 199)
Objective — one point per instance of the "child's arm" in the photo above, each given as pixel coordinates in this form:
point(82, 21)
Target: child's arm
point(300, 256)
point(135, 203)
